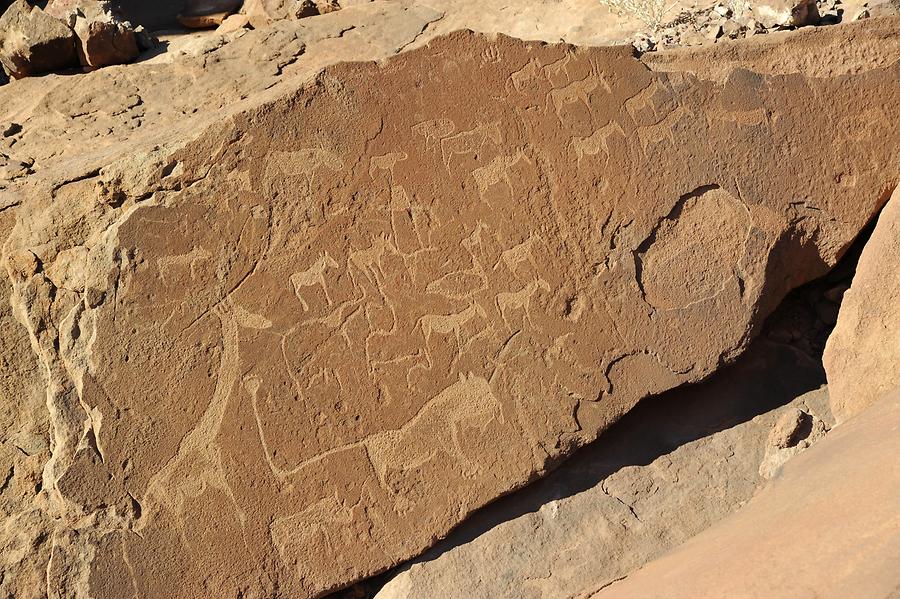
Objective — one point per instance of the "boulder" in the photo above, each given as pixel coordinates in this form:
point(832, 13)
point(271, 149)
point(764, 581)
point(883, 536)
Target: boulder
point(32, 42)
point(315, 336)
point(24, 445)
point(103, 37)
point(233, 23)
point(843, 489)
point(796, 13)
point(863, 352)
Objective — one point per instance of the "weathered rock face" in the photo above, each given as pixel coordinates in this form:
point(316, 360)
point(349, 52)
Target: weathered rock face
point(672, 467)
point(24, 448)
point(863, 352)
point(264, 12)
point(33, 42)
point(103, 37)
point(843, 489)
point(304, 346)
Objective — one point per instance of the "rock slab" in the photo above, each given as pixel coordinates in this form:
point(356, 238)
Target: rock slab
point(863, 352)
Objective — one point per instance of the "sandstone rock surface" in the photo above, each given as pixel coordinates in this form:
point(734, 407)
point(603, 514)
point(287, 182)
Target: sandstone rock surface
point(264, 12)
point(816, 52)
point(669, 469)
point(863, 352)
point(33, 42)
point(452, 296)
point(24, 449)
point(827, 527)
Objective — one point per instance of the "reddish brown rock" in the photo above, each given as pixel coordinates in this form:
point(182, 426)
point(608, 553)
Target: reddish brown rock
point(103, 37)
point(33, 42)
point(863, 352)
point(317, 337)
point(672, 467)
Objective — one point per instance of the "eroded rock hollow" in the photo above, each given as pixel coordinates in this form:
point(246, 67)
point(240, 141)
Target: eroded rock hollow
point(295, 351)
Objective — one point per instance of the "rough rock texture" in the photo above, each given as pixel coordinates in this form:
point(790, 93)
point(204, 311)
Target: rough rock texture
point(863, 352)
point(24, 449)
point(33, 42)
point(843, 490)
point(668, 470)
point(815, 52)
point(451, 296)
point(182, 296)
point(103, 37)
point(264, 12)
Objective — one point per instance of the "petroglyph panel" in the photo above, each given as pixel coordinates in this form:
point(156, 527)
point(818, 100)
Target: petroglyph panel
point(367, 309)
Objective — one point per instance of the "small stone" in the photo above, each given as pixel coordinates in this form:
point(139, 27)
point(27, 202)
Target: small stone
point(731, 28)
point(722, 11)
point(692, 38)
point(805, 13)
point(786, 430)
point(713, 32)
point(94, 297)
point(24, 263)
point(643, 43)
point(234, 23)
